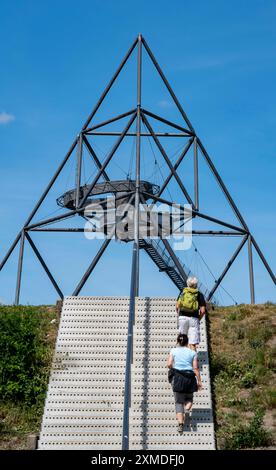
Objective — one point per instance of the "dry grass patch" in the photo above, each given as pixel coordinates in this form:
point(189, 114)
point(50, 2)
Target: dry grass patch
point(243, 369)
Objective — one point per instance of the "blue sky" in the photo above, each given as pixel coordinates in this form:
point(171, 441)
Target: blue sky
point(56, 58)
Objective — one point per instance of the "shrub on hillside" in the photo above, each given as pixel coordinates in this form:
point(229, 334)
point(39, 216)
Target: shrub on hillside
point(24, 354)
point(249, 436)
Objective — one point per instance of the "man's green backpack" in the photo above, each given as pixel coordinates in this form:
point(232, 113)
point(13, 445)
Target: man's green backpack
point(188, 301)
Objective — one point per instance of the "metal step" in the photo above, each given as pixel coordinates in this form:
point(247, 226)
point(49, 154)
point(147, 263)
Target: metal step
point(86, 387)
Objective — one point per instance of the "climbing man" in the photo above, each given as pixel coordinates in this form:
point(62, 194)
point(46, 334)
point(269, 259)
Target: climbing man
point(191, 308)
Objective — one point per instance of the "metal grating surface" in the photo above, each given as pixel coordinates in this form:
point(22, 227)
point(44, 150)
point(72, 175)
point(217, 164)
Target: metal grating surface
point(153, 422)
point(84, 405)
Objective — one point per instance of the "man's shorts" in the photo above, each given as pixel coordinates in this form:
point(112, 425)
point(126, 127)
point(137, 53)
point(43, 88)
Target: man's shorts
point(190, 326)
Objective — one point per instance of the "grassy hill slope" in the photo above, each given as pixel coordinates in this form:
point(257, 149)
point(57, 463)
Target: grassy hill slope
point(242, 353)
point(243, 367)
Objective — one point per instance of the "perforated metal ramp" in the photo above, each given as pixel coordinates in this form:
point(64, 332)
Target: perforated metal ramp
point(153, 422)
point(84, 404)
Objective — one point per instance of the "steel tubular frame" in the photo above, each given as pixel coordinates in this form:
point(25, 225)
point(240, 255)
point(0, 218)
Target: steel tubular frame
point(167, 160)
point(134, 286)
point(91, 266)
point(51, 182)
point(20, 265)
point(222, 185)
point(195, 213)
point(107, 160)
point(269, 270)
point(175, 258)
point(125, 59)
point(78, 170)
point(109, 121)
point(41, 260)
point(168, 86)
point(138, 113)
point(226, 269)
point(196, 195)
point(6, 257)
point(94, 156)
point(165, 121)
point(218, 233)
point(251, 273)
point(142, 134)
point(171, 252)
point(176, 165)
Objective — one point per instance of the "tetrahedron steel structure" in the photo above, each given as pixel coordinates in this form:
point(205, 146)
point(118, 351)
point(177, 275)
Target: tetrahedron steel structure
point(138, 191)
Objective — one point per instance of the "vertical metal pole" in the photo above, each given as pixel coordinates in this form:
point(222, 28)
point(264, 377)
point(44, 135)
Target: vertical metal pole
point(127, 394)
point(134, 287)
point(78, 170)
point(138, 153)
point(19, 269)
point(251, 272)
point(196, 175)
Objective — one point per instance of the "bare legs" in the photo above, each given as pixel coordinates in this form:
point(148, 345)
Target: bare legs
point(188, 406)
point(181, 416)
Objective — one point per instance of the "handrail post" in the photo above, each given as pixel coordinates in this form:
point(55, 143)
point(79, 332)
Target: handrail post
point(127, 393)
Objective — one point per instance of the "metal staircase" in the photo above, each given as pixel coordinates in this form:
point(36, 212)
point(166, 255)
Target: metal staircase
point(85, 399)
point(164, 262)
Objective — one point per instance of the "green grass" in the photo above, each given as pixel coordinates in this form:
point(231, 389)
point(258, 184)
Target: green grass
point(247, 436)
point(27, 336)
point(243, 374)
point(243, 370)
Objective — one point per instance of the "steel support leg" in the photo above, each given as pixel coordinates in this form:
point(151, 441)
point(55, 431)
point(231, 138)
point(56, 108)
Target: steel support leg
point(91, 267)
point(42, 262)
point(127, 390)
point(3, 262)
point(19, 269)
point(251, 273)
point(138, 164)
point(268, 268)
point(134, 287)
point(226, 269)
point(78, 171)
point(196, 175)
